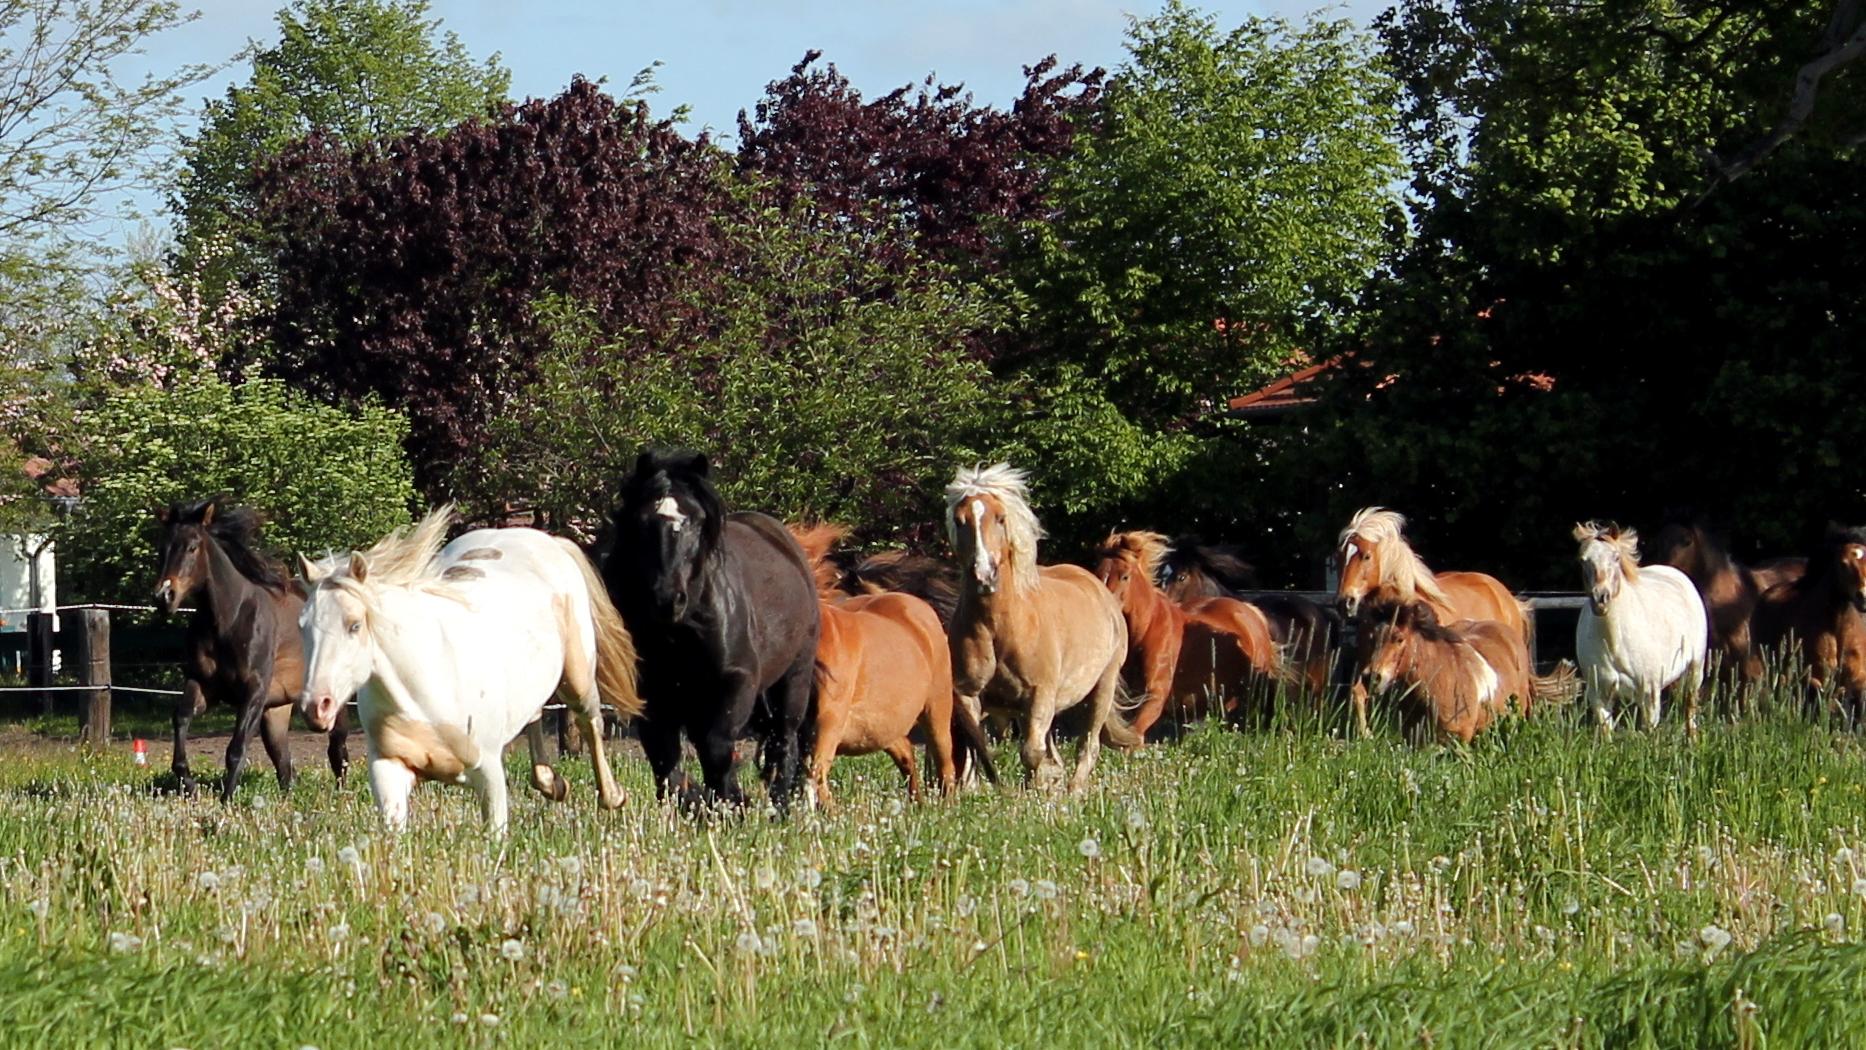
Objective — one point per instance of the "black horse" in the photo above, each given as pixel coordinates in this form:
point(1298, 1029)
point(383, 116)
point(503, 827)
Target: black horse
point(723, 609)
point(1307, 631)
point(243, 645)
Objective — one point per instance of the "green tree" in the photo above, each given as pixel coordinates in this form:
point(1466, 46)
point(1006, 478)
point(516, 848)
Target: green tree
point(323, 477)
point(356, 70)
point(825, 382)
point(1232, 197)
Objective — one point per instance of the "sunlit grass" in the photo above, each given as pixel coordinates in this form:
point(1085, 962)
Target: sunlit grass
point(1278, 887)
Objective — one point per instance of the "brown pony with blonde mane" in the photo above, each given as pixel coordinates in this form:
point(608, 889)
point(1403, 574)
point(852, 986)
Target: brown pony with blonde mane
point(1030, 640)
point(1457, 678)
point(1378, 565)
point(882, 668)
point(1209, 650)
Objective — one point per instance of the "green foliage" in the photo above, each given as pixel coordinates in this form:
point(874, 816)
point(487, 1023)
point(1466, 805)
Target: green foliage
point(359, 70)
point(824, 385)
point(1230, 198)
point(323, 477)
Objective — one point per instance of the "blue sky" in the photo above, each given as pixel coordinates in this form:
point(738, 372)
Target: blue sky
point(718, 55)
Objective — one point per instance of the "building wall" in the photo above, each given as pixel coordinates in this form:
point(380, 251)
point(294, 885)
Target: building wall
point(20, 556)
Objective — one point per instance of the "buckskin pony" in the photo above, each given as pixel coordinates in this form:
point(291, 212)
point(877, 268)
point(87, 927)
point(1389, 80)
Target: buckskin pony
point(242, 648)
point(1203, 655)
point(1031, 640)
point(723, 610)
point(883, 669)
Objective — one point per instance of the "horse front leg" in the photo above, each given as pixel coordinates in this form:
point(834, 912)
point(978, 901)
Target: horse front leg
point(1041, 769)
point(275, 733)
point(789, 699)
point(543, 777)
point(660, 741)
point(1101, 708)
point(191, 702)
point(251, 711)
point(718, 743)
point(488, 781)
point(337, 748)
point(391, 782)
point(1357, 696)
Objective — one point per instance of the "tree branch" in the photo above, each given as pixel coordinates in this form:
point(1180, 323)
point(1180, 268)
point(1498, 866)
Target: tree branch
point(1838, 47)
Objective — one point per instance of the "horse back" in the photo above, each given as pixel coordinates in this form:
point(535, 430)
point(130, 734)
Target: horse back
point(777, 589)
point(1503, 648)
point(1243, 622)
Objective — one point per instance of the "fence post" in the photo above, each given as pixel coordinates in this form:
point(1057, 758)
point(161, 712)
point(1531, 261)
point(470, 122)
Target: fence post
point(90, 630)
point(569, 737)
point(39, 659)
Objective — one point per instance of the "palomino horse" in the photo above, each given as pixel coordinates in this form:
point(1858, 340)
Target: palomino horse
point(1730, 591)
point(1027, 639)
point(1458, 678)
point(453, 652)
point(1378, 564)
point(243, 647)
point(1644, 631)
point(1826, 611)
point(723, 609)
point(882, 668)
point(1208, 651)
point(1306, 632)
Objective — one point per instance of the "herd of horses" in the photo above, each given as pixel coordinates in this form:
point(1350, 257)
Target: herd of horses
point(714, 629)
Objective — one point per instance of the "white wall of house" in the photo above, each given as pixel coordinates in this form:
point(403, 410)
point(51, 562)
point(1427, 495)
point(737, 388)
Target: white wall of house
point(28, 578)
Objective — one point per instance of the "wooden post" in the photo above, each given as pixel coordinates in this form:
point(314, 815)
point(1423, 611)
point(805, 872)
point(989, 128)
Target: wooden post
point(39, 659)
point(90, 631)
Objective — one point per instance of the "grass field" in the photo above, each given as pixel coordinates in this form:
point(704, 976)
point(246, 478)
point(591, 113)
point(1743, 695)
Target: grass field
point(1275, 888)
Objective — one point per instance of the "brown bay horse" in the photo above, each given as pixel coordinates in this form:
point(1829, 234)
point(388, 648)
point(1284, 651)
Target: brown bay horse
point(1731, 591)
point(1204, 654)
point(1031, 640)
point(1824, 613)
point(883, 669)
point(243, 645)
point(1306, 632)
point(1456, 678)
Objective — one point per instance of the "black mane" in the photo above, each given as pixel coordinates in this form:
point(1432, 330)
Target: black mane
point(663, 472)
point(1826, 558)
point(237, 529)
point(1223, 562)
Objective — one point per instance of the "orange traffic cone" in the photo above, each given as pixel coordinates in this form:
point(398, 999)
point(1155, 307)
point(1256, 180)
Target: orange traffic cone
point(139, 749)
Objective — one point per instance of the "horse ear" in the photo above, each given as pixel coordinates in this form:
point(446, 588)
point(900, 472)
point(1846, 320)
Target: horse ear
point(644, 463)
point(1835, 530)
point(308, 570)
point(359, 566)
point(1583, 532)
point(161, 513)
point(701, 465)
point(207, 513)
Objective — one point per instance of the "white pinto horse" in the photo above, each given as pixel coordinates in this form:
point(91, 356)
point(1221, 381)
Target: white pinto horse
point(1645, 630)
point(452, 652)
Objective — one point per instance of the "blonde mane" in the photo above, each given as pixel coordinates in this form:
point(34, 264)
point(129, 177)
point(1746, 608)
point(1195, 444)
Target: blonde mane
point(1623, 542)
point(1401, 570)
point(405, 557)
point(1011, 489)
point(1147, 549)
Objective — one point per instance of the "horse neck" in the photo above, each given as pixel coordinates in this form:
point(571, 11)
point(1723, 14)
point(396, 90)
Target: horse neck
point(227, 586)
point(414, 642)
point(1144, 606)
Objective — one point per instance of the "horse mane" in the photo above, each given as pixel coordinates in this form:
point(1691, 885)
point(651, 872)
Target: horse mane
point(406, 557)
point(817, 541)
point(1149, 550)
point(659, 471)
point(1625, 543)
point(1223, 562)
point(1415, 616)
point(237, 530)
point(932, 580)
point(1710, 543)
point(1011, 488)
point(1822, 562)
point(1401, 569)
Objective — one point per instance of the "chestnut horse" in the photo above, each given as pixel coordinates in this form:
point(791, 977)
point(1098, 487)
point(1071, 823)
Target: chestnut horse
point(1731, 591)
point(1457, 677)
point(1825, 611)
point(1378, 565)
point(1307, 633)
point(1206, 652)
point(1030, 640)
point(882, 668)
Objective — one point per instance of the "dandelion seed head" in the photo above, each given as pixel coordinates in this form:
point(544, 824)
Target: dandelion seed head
point(1089, 848)
point(513, 950)
point(1319, 867)
point(1044, 889)
point(1348, 879)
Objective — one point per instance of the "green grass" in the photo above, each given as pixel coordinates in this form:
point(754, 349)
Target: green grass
point(1277, 888)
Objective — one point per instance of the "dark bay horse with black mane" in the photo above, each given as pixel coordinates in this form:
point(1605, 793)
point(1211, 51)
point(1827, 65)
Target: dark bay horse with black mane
point(1730, 590)
point(243, 646)
point(1307, 631)
point(723, 611)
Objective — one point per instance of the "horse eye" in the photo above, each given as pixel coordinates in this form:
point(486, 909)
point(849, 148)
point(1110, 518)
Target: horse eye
point(354, 626)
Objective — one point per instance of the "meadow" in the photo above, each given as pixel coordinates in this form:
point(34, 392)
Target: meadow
point(1262, 887)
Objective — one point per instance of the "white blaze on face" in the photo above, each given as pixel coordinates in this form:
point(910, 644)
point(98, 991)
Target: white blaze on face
point(1348, 551)
point(669, 511)
point(1856, 552)
point(981, 556)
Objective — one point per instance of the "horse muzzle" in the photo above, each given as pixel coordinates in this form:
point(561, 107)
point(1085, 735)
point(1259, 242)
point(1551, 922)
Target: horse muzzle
point(1598, 602)
point(320, 711)
point(1351, 604)
point(168, 596)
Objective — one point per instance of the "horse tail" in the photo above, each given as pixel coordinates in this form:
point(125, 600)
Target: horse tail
point(971, 735)
point(615, 647)
point(1115, 732)
point(1559, 686)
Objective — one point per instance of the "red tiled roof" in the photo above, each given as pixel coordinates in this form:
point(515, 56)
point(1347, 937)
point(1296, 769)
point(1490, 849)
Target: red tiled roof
point(38, 467)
